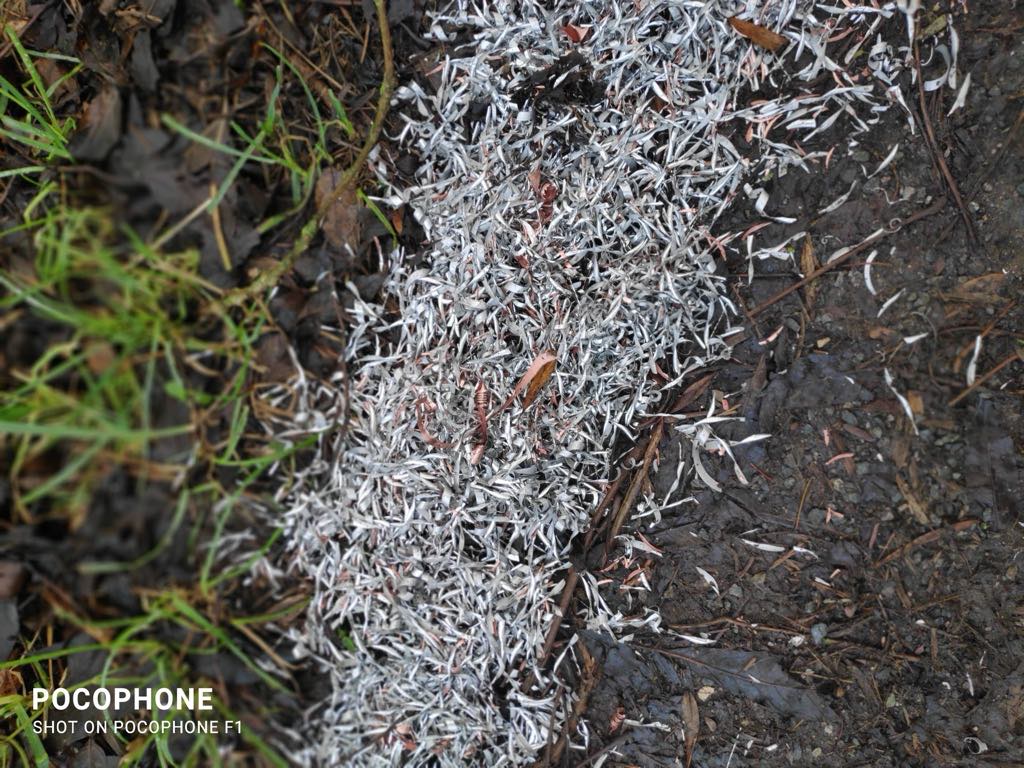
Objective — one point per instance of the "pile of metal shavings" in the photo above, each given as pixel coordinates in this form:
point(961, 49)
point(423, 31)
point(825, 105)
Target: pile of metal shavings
point(575, 159)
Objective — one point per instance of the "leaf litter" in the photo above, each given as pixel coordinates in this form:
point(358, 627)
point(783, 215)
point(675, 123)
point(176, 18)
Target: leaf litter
point(568, 201)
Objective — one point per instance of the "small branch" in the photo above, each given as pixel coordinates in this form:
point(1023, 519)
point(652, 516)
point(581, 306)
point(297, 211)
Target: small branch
point(937, 156)
point(1016, 355)
point(932, 209)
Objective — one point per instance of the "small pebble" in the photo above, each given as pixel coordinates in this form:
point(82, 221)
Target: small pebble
point(818, 633)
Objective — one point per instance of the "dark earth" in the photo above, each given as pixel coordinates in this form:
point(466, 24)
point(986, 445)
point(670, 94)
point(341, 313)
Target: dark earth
point(899, 641)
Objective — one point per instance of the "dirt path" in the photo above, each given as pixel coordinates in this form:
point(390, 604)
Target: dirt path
point(863, 592)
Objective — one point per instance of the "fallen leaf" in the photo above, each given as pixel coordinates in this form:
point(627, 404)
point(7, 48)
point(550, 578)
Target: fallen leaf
point(481, 404)
point(536, 376)
point(538, 381)
point(397, 220)
point(576, 34)
point(691, 724)
point(761, 36)
point(341, 219)
point(273, 356)
point(99, 127)
point(10, 682)
point(983, 289)
point(809, 263)
point(916, 401)
point(533, 177)
point(12, 579)
point(616, 720)
point(100, 357)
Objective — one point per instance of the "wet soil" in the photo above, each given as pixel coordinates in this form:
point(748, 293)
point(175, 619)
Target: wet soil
point(866, 606)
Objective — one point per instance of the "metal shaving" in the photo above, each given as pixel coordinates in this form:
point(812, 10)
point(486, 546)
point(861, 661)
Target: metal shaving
point(570, 192)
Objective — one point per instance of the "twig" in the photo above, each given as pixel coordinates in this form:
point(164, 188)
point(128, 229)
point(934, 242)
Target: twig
point(609, 747)
point(549, 642)
point(634, 487)
point(1015, 355)
point(926, 538)
point(930, 210)
point(937, 156)
point(591, 674)
point(986, 172)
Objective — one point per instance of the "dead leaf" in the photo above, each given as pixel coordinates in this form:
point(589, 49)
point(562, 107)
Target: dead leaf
point(691, 724)
point(576, 34)
point(917, 509)
point(538, 381)
point(341, 219)
point(916, 402)
point(10, 682)
point(481, 404)
point(99, 357)
point(99, 127)
point(199, 156)
point(12, 579)
point(273, 357)
point(533, 177)
point(536, 376)
point(808, 264)
point(761, 36)
point(616, 720)
point(635, 484)
point(983, 289)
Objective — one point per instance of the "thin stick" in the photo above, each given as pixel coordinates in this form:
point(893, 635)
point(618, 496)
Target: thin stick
point(930, 210)
point(982, 379)
point(549, 642)
point(933, 145)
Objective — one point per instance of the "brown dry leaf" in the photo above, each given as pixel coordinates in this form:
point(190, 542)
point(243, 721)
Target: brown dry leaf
point(274, 358)
point(538, 381)
point(99, 128)
point(536, 376)
point(481, 404)
point(12, 578)
point(916, 507)
point(10, 682)
point(341, 220)
point(900, 450)
point(533, 177)
point(616, 720)
point(691, 724)
point(576, 34)
point(99, 357)
point(809, 263)
point(761, 36)
point(916, 402)
point(199, 156)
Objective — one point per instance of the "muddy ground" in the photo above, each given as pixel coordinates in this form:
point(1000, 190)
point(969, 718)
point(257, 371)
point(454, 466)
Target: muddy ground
point(898, 642)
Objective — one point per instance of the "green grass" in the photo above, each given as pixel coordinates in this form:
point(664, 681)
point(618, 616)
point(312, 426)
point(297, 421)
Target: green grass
point(37, 127)
point(140, 353)
point(128, 645)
